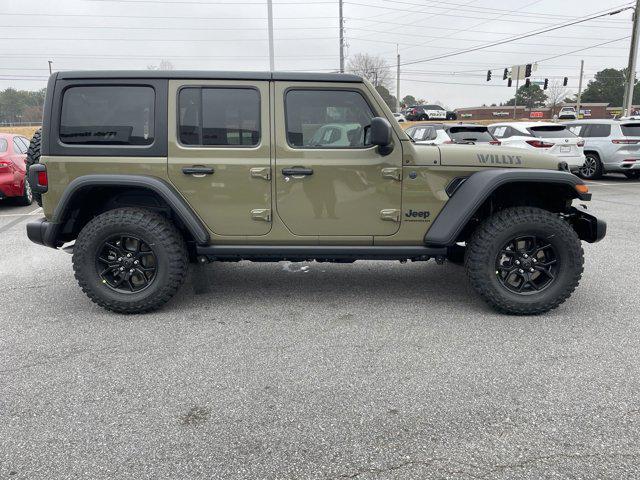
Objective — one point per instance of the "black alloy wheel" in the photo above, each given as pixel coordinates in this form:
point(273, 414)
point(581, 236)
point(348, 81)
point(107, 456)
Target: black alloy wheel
point(126, 264)
point(527, 264)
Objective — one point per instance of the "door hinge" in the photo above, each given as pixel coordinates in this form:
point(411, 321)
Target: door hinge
point(261, 214)
point(261, 172)
point(390, 214)
point(394, 173)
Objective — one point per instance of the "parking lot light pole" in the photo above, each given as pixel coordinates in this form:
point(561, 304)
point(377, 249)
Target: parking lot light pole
point(341, 36)
point(270, 24)
point(631, 68)
point(515, 98)
point(398, 81)
point(579, 96)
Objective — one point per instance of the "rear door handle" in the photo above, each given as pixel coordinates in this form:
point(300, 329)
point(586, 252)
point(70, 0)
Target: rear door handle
point(197, 171)
point(297, 171)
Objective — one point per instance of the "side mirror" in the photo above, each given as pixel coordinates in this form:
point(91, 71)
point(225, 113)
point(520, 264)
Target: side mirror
point(380, 135)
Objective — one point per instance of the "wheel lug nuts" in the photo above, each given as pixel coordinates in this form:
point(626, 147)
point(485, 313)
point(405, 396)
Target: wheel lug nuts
point(121, 268)
point(136, 262)
point(531, 270)
point(517, 262)
point(521, 271)
point(119, 259)
point(525, 256)
point(131, 271)
point(534, 260)
point(128, 255)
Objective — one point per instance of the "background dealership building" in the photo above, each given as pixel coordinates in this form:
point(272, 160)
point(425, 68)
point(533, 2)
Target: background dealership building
point(505, 112)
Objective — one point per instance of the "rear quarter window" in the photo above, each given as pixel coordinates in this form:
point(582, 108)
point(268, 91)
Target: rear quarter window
point(466, 134)
point(108, 115)
point(631, 129)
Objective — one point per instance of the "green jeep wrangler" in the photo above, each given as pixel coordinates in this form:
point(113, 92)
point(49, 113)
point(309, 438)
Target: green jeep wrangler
point(148, 171)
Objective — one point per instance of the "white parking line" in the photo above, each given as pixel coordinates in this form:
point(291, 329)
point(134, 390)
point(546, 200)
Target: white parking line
point(33, 212)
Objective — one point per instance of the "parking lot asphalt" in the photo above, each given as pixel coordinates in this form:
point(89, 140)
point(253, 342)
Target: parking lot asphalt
point(371, 370)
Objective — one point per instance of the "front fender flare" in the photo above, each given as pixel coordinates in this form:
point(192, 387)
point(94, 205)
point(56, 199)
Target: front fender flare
point(471, 194)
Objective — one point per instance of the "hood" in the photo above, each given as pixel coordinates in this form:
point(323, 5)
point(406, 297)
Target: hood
point(491, 156)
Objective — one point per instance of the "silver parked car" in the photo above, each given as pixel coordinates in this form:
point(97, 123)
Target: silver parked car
point(610, 146)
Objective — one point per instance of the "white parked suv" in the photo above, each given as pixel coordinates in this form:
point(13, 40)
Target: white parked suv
point(553, 138)
point(611, 146)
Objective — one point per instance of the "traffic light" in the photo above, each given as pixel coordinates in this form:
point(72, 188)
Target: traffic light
point(565, 81)
point(546, 83)
point(527, 83)
point(527, 70)
point(509, 82)
point(488, 75)
point(505, 74)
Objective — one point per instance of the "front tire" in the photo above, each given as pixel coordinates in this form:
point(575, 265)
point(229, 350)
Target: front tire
point(524, 260)
point(592, 167)
point(130, 260)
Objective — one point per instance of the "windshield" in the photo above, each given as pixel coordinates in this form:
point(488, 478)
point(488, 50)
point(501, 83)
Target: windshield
point(631, 129)
point(470, 134)
point(551, 131)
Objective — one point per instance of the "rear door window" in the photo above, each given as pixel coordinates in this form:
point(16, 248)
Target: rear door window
point(219, 116)
point(598, 131)
point(630, 129)
point(108, 115)
point(551, 131)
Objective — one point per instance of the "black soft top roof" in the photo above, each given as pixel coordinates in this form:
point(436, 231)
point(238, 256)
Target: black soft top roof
point(211, 75)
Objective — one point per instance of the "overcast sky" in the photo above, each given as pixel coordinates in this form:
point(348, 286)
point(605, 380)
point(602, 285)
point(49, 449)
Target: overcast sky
point(232, 35)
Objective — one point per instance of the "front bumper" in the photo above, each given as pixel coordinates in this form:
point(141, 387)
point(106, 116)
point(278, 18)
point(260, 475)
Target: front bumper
point(588, 227)
point(42, 232)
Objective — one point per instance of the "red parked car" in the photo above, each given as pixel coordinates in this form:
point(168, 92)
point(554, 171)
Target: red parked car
point(13, 180)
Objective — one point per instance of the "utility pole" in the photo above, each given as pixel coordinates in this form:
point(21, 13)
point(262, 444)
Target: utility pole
point(50, 63)
point(515, 97)
point(398, 80)
point(270, 21)
point(341, 36)
point(631, 68)
point(579, 89)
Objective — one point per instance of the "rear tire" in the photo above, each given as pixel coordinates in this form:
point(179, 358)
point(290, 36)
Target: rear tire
point(592, 168)
point(423, 117)
point(130, 260)
point(27, 195)
point(532, 275)
point(33, 156)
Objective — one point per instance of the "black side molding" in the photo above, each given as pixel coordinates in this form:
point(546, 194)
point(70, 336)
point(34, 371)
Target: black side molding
point(469, 195)
point(179, 206)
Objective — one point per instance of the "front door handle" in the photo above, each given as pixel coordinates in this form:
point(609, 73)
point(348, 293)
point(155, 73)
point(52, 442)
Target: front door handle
point(297, 171)
point(197, 171)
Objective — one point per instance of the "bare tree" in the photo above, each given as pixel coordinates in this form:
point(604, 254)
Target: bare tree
point(164, 65)
point(373, 68)
point(556, 95)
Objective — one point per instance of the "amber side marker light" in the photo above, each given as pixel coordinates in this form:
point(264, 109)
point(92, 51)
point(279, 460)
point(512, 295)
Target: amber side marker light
point(581, 188)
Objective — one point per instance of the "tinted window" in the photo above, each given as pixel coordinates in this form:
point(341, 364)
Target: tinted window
point(219, 116)
point(327, 119)
point(18, 147)
point(3, 145)
point(598, 131)
point(551, 131)
point(631, 129)
point(108, 115)
point(432, 107)
point(470, 134)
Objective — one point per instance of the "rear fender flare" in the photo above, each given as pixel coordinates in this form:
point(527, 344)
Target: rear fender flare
point(162, 188)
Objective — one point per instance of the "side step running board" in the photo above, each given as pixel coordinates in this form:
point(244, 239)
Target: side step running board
point(323, 252)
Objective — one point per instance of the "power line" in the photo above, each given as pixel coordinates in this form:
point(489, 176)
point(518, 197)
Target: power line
point(518, 37)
